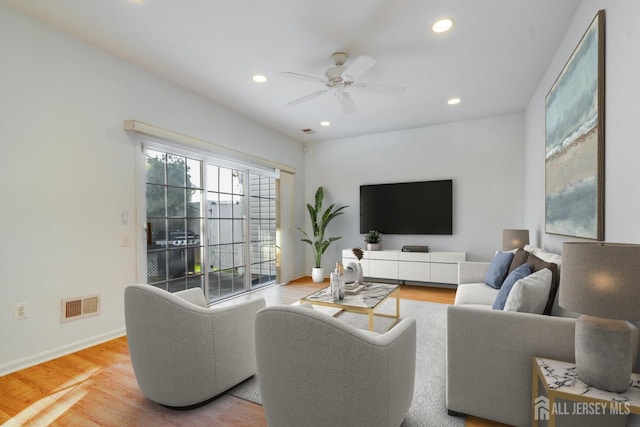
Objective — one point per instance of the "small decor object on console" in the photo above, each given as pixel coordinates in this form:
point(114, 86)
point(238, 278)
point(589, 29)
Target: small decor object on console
point(373, 238)
point(415, 248)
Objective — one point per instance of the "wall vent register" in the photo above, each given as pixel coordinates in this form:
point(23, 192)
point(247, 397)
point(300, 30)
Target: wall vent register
point(77, 308)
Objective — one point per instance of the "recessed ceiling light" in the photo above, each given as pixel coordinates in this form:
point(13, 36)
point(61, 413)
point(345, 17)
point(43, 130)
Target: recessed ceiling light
point(325, 123)
point(453, 101)
point(442, 25)
point(259, 78)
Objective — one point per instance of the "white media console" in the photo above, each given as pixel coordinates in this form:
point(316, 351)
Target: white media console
point(433, 267)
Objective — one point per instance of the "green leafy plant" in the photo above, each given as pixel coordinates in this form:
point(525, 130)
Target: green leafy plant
point(319, 222)
point(372, 236)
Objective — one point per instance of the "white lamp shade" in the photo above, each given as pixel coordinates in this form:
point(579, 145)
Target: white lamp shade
point(601, 279)
point(512, 239)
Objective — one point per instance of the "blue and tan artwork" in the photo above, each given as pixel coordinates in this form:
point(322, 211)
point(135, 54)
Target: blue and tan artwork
point(574, 143)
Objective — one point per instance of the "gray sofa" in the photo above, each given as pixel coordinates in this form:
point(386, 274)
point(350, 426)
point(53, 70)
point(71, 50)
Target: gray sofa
point(489, 352)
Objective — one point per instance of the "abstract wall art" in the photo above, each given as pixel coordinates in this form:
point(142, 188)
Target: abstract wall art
point(574, 141)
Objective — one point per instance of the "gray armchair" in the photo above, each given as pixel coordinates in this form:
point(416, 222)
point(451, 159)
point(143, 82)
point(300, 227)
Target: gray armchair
point(183, 352)
point(315, 370)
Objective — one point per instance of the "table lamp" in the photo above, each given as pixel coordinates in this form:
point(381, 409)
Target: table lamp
point(512, 239)
point(602, 282)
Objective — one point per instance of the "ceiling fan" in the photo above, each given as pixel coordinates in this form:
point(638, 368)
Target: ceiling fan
point(340, 81)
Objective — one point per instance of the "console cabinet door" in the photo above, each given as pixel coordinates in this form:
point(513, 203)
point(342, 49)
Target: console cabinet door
point(444, 273)
point(383, 269)
point(382, 264)
point(444, 266)
point(414, 271)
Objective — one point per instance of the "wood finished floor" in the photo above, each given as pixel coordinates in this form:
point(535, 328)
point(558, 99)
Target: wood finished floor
point(97, 386)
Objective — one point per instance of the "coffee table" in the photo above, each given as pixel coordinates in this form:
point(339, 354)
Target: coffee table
point(364, 302)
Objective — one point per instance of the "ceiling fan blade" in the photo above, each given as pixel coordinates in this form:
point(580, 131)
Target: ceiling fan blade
point(303, 77)
point(346, 102)
point(381, 88)
point(360, 66)
point(307, 97)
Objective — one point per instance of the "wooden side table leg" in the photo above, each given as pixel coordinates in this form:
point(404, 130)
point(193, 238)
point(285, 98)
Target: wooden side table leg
point(371, 320)
point(552, 413)
point(534, 396)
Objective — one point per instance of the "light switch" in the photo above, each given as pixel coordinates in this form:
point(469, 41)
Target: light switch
point(125, 240)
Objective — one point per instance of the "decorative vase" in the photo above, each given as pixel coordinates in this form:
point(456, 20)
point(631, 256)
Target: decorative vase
point(360, 275)
point(337, 286)
point(374, 246)
point(317, 275)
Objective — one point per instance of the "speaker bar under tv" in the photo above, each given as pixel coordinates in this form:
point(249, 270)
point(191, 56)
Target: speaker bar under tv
point(424, 207)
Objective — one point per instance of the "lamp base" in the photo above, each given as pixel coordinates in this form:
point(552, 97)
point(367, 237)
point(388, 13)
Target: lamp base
point(605, 352)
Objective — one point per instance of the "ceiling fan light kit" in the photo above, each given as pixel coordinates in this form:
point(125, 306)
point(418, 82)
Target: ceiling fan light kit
point(339, 80)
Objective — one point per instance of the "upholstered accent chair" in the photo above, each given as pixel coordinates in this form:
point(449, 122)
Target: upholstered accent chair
point(184, 353)
point(315, 370)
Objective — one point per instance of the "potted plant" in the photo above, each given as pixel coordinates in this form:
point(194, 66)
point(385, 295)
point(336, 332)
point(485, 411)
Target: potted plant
point(319, 222)
point(373, 238)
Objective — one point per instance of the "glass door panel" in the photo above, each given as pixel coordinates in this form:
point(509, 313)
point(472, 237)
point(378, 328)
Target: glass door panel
point(174, 221)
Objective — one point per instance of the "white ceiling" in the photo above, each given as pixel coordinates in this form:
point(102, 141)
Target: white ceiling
point(493, 58)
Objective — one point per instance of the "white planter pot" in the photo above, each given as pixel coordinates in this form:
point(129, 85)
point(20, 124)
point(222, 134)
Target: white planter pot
point(374, 246)
point(317, 275)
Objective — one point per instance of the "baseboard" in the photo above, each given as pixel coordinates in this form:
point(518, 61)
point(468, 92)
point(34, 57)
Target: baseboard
point(45, 356)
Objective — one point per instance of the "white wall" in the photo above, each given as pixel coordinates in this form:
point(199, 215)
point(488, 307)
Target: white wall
point(483, 157)
point(69, 171)
point(622, 127)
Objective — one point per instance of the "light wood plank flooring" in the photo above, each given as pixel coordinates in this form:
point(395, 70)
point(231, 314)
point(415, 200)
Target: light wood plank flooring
point(97, 386)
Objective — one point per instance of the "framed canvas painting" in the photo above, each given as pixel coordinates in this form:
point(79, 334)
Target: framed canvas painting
point(574, 141)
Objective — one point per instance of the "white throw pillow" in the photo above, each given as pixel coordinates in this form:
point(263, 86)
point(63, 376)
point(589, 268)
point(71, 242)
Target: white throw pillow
point(549, 257)
point(530, 294)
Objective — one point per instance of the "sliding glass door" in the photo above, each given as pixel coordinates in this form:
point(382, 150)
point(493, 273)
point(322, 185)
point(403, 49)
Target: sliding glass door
point(208, 225)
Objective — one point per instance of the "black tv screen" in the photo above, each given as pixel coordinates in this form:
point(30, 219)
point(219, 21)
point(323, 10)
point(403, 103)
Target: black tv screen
point(407, 208)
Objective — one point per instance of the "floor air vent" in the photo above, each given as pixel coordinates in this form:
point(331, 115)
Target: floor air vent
point(77, 308)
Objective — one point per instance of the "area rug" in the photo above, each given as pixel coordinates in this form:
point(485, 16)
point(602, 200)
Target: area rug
point(428, 407)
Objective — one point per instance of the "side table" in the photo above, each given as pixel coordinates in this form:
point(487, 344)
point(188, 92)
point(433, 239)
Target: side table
point(560, 380)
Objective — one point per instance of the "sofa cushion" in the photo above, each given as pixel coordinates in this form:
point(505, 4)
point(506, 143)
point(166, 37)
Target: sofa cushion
point(519, 258)
point(521, 272)
point(544, 255)
point(530, 294)
point(538, 264)
point(498, 269)
point(475, 294)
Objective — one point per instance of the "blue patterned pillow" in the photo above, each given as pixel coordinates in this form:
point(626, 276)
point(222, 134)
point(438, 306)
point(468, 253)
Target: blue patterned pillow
point(519, 273)
point(498, 269)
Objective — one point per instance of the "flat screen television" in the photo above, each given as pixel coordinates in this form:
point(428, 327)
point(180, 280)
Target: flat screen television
point(424, 207)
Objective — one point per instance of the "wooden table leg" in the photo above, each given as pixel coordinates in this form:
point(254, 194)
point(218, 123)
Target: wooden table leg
point(534, 396)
